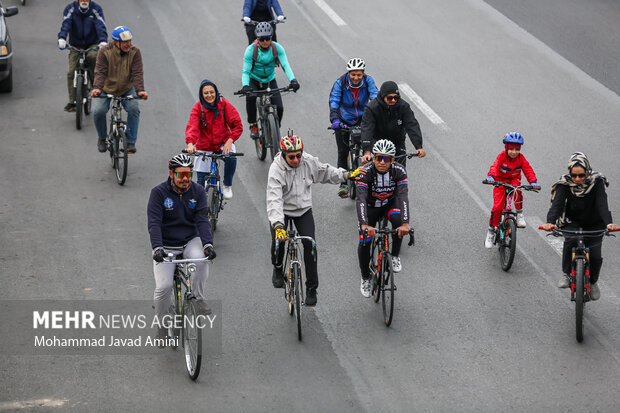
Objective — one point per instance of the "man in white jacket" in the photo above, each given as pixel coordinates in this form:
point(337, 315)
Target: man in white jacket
point(289, 197)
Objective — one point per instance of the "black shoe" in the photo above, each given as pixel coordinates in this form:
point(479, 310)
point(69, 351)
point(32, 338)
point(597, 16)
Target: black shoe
point(310, 297)
point(101, 146)
point(131, 147)
point(276, 278)
point(203, 308)
point(70, 107)
point(162, 337)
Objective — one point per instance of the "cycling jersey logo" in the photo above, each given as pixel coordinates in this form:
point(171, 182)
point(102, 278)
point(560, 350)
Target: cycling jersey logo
point(382, 196)
point(168, 203)
point(192, 204)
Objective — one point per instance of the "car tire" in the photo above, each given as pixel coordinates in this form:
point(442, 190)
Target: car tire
point(6, 85)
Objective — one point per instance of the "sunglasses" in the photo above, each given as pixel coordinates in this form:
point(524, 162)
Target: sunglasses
point(293, 157)
point(577, 175)
point(392, 98)
point(264, 39)
point(181, 175)
point(383, 158)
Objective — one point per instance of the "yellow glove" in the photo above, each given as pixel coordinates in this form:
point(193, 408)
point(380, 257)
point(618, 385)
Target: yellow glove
point(280, 233)
point(354, 173)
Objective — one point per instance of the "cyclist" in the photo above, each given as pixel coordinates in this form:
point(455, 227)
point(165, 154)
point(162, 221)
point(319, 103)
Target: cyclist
point(349, 96)
point(289, 197)
point(579, 200)
point(214, 124)
point(507, 168)
point(84, 24)
point(259, 62)
point(119, 72)
point(381, 191)
point(178, 224)
point(389, 117)
point(260, 11)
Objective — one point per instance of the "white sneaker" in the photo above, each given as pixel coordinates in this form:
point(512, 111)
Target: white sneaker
point(565, 282)
point(521, 220)
point(595, 292)
point(365, 287)
point(489, 242)
point(396, 266)
point(227, 192)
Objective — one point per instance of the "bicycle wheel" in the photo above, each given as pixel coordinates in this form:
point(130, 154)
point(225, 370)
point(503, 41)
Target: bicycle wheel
point(79, 100)
point(297, 280)
point(213, 199)
point(88, 99)
point(261, 149)
point(508, 245)
point(375, 262)
point(579, 298)
point(387, 290)
point(121, 156)
point(192, 338)
point(177, 311)
point(290, 290)
point(273, 134)
point(352, 164)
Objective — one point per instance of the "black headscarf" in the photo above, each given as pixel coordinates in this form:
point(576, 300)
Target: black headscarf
point(204, 103)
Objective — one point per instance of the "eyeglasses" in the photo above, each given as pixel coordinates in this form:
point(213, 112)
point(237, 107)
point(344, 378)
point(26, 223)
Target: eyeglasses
point(264, 38)
point(392, 98)
point(577, 175)
point(181, 175)
point(383, 158)
point(293, 157)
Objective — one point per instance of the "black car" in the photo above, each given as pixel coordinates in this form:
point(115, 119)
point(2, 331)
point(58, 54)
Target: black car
point(6, 51)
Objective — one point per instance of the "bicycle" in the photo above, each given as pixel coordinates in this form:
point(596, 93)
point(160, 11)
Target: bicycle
point(506, 231)
point(294, 292)
point(580, 270)
point(354, 158)
point(185, 310)
point(267, 121)
point(116, 141)
point(82, 85)
point(381, 271)
point(213, 186)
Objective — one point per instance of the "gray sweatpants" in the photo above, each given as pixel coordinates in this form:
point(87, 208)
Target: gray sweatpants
point(164, 274)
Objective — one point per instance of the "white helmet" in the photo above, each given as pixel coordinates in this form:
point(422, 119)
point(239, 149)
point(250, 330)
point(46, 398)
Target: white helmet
point(356, 64)
point(384, 147)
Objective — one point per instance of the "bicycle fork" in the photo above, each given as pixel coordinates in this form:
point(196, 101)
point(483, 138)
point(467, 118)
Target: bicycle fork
point(586, 276)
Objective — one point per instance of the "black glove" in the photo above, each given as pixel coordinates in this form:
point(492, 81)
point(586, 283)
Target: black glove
point(159, 254)
point(294, 85)
point(246, 89)
point(210, 252)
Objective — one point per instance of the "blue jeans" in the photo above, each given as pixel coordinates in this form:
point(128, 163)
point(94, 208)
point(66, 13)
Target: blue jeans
point(100, 110)
point(230, 166)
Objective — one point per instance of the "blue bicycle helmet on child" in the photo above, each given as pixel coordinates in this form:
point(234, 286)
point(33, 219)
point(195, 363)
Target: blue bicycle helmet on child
point(122, 34)
point(513, 137)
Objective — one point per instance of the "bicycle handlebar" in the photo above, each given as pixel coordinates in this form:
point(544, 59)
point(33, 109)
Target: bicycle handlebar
point(82, 50)
point(212, 155)
point(274, 21)
point(258, 92)
point(389, 231)
point(509, 186)
point(559, 232)
point(120, 98)
point(169, 259)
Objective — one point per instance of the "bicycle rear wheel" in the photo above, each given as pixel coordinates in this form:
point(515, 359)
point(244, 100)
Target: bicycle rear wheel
point(192, 339)
point(508, 245)
point(121, 156)
point(387, 290)
point(273, 134)
point(213, 198)
point(351, 166)
point(88, 100)
point(79, 101)
point(297, 280)
point(261, 148)
point(579, 298)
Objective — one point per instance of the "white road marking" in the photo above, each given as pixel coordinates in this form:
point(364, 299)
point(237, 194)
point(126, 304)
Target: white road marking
point(330, 13)
point(421, 104)
point(30, 404)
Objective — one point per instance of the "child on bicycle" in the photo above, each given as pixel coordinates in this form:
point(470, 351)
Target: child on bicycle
point(507, 168)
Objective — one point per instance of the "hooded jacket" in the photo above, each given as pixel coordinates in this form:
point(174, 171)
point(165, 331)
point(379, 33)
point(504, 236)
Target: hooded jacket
point(347, 103)
point(289, 190)
point(209, 127)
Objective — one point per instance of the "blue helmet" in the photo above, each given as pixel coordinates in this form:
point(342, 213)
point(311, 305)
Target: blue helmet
point(122, 34)
point(513, 137)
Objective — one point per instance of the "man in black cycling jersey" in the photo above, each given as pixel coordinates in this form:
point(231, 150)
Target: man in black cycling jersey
point(381, 191)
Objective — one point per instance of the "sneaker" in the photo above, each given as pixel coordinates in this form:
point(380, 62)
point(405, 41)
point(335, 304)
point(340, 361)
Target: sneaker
point(203, 308)
point(365, 287)
point(521, 220)
point(101, 146)
point(276, 278)
point(595, 292)
point(253, 131)
point(564, 281)
point(396, 266)
point(70, 107)
point(489, 242)
point(131, 147)
point(227, 192)
point(161, 337)
point(343, 191)
point(310, 297)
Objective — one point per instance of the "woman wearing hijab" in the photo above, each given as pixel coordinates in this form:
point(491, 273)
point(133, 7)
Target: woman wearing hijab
point(214, 125)
point(579, 200)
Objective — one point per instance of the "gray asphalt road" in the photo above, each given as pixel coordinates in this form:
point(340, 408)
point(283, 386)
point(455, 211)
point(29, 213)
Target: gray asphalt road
point(466, 336)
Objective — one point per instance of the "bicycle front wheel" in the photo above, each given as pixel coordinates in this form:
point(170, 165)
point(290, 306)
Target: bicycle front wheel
point(192, 338)
point(88, 100)
point(579, 298)
point(387, 290)
point(375, 271)
point(121, 156)
point(213, 198)
point(273, 134)
point(297, 280)
point(508, 245)
point(79, 101)
point(177, 311)
point(261, 148)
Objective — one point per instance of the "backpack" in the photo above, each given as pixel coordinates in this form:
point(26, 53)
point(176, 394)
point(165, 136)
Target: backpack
point(274, 51)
